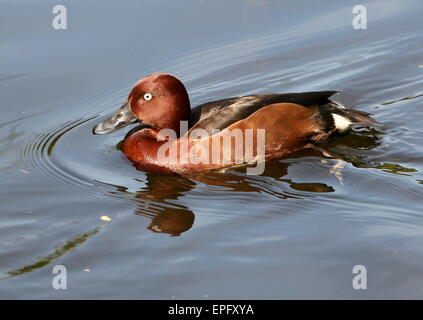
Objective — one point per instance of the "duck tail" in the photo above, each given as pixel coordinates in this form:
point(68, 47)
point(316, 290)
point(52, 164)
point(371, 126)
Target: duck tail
point(344, 119)
point(359, 117)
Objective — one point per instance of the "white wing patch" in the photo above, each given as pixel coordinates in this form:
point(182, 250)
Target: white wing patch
point(337, 104)
point(341, 123)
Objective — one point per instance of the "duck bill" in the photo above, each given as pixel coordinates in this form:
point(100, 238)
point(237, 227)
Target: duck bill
point(120, 119)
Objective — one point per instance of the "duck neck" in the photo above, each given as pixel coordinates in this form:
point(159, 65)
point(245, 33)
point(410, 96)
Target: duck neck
point(177, 118)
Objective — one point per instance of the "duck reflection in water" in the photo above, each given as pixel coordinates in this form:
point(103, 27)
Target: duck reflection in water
point(165, 217)
point(174, 218)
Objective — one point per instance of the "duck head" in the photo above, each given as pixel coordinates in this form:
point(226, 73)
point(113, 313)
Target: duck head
point(159, 101)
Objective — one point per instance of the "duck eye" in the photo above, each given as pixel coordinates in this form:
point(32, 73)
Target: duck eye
point(148, 96)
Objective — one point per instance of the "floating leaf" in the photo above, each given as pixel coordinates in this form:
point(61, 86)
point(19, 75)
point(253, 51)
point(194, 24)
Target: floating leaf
point(105, 218)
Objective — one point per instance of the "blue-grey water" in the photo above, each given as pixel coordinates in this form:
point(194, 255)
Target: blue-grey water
point(297, 231)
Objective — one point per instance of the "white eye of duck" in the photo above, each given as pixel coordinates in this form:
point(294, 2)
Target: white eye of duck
point(148, 96)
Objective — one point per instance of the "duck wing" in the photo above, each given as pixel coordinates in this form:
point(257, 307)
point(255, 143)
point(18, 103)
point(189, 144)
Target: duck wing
point(222, 113)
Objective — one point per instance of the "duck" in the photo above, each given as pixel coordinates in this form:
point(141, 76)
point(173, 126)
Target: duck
point(173, 138)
